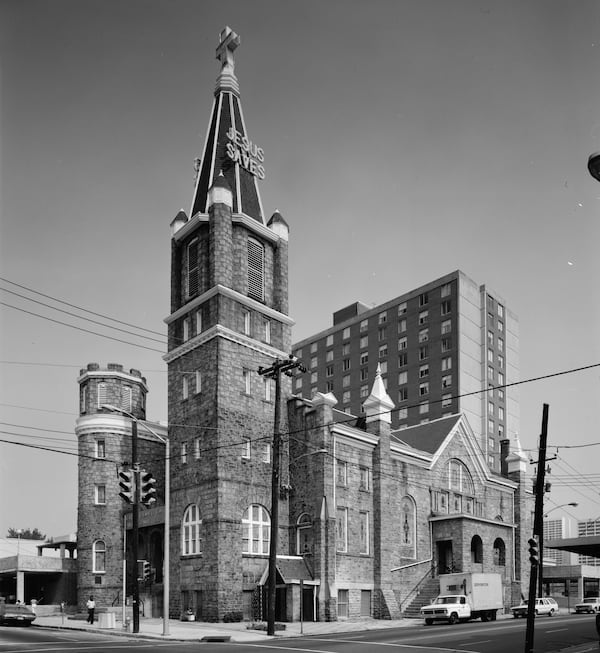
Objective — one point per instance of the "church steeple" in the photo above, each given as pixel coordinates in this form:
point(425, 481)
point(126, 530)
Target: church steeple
point(228, 147)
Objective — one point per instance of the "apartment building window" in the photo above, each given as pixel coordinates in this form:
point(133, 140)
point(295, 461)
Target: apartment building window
point(491, 443)
point(313, 347)
point(446, 381)
point(501, 394)
point(500, 361)
point(345, 349)
point(196, 448)
point(268, 388)
point(423, 371)
point(500, 344)
point(490, 302)
point(198, 378)
point(256, 270)
point(446, 344)
point(490, 373)
point(423, 299)
point(491, 407)
point(491, 319)
point(267, 330)
point(342, 529)
point(346, 333)
point(313, 362)
point(446, 290)
point(423, 352)
point(329, 370)
point(383, 369)
point(402, 413)
point(329, 340)
point(500, 413)
point(185, 387)
point(500, 378)
point(446, 306)
point(446, 326)
point(383, 351)
point(346, 381)
point(491, 426)
point(446, 364)
point(186, 329)
point(402, 343)
point(364, 479)
point(246, 318)
point(314, 377)
point(266, 458)
point(364, 358)
point(403, 394)
point(364, 325)
point(401, 326)
point(446, 400)
point(346, 397)
point(341, 472)
point(423, 335)
point(346, 364)
point(423, 389)
point(329, 355)
point(192, 268)
point(328, 386)
point(184, 453)
point(381, 333)
point(100, 495)
point(364, 342)
point(364, 391)
point(501, 431)
point(402, 308)
point(402, 359)
point(382, 317)
point(490, 337)
point(198, 320)
point(490, 355)
point(402, 378)
point(423, 408)
point(500, 311)
point(363, 533)
point(423, 317)
point(364, 374)
point(500, 326)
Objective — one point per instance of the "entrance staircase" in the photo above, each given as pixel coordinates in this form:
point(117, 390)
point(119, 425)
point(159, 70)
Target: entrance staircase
point(428, 590)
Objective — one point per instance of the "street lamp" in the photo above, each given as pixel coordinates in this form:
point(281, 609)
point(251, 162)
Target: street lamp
point(166, 547)
point(594, 165)
point(562, 505)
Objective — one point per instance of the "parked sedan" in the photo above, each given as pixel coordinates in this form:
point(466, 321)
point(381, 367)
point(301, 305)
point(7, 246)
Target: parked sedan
point(590, 605)
point(15, 614)
point(542, 606)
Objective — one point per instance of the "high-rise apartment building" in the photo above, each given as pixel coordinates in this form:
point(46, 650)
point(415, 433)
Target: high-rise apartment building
point(586, 528)
point(557, 529)
point(449, 346)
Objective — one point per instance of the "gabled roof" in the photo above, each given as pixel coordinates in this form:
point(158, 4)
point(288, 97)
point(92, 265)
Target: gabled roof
point(228, 148)
point(427, 437)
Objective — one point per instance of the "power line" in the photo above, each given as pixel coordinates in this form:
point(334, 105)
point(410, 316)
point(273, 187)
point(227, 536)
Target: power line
point(79, 308)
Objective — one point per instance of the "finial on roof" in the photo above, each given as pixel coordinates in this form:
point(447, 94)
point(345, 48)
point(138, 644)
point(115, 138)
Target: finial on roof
point(378, 404)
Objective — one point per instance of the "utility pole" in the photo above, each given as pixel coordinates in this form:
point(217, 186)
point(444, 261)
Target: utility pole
point(136, 513)
point(538, 529)
point(274, 372)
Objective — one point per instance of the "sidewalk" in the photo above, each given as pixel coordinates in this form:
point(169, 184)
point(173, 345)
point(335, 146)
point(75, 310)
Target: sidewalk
point(233, 632)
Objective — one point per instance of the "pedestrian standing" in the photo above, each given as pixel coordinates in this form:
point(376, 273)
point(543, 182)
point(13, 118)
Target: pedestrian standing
point(91, 606)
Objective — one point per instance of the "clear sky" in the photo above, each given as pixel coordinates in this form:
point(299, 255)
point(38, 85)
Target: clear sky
point(403, 139)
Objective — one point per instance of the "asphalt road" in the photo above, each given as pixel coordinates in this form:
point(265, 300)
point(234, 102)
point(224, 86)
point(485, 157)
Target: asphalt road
point(506, 636)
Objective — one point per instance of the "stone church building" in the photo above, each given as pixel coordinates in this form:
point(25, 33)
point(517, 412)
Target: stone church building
point(367, 517)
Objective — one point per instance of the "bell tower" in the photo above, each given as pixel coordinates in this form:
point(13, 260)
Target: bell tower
point(229, 304)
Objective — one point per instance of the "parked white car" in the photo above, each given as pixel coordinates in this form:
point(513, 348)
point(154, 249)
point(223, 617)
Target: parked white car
point(542, 606)
point(589, 605)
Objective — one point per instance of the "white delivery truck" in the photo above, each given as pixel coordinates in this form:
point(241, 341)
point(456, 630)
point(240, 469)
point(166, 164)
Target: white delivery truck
point(466, 596)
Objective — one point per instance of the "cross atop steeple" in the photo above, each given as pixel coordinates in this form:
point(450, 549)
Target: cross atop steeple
point(228, 42)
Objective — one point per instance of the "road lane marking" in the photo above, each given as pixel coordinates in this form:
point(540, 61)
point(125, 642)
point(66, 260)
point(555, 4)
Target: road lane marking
point(353, 641)
point(556, 630)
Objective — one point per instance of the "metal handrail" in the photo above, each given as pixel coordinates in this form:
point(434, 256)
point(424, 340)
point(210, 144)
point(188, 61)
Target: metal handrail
point(430, 573)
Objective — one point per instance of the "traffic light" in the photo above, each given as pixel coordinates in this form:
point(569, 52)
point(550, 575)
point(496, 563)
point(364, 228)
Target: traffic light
point(127, 485)
point(147, 488)
point(143, 570)
point(534, 554)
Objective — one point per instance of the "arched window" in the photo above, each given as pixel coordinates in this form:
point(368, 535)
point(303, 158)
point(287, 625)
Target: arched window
point(407, 527)
point(304, 534)
point(499, 552)
point(191, 543)
point(256, 270)
point(476, 549)
point(459, 479)
point(99, 557)
point(256, 530)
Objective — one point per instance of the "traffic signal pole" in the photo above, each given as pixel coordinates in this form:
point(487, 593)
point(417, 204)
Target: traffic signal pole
point(134, 534)
point(538, 530)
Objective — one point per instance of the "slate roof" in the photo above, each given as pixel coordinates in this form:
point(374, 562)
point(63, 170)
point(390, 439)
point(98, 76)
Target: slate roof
point(427, 437)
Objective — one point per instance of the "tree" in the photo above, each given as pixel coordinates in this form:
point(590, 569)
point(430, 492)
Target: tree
point(26, 534)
